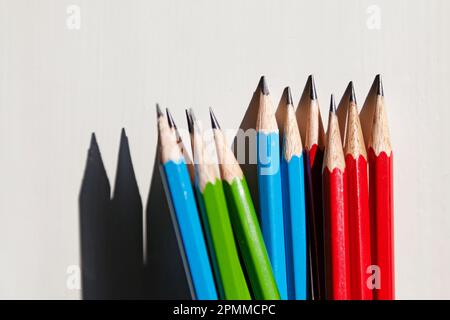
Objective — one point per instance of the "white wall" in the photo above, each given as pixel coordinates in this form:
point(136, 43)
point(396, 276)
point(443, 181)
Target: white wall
point(58, 85)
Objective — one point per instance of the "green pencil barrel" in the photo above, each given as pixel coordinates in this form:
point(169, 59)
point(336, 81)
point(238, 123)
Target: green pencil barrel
point(250, 239)
point(227, 267)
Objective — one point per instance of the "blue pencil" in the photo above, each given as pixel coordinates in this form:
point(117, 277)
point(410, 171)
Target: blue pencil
point(292, 173)
point(269, 185)
point(184, 213)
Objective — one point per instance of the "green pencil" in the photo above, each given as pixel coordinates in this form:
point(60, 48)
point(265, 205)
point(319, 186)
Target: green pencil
point(222, 245)
point(244, 220)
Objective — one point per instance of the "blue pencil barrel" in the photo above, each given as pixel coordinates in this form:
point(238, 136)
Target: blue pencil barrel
point(271, 206)
point(190, 230)
point(295, 227)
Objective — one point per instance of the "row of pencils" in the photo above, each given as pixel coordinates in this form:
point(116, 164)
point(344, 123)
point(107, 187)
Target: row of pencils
point(324, 229)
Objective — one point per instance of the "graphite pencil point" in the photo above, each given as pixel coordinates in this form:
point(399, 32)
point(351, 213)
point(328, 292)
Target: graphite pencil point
point(189, 121)
point(332, 104)
point(312, 88)
point(380, 90)
point(214, 122)
point(263, 86)
point(158, 111)
point(352, 92)
point(170, 119)
point(288, 95)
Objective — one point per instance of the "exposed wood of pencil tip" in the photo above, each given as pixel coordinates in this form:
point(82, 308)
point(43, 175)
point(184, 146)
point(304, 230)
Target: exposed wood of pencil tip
point(265, 120)
point(169, 149)
point(309, 118)
point(354, 141)
point(342, 109)
point(280, 114)
point(374, 121)
point(181, 145)
point(334, 154)
point(228, 165)
point(380, 140)
point(205, 166)
point(292, 142)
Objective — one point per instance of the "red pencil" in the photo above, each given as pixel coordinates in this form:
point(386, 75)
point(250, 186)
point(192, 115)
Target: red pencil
point(312, 133)
point(358, 202)
point(377, 138)
point(335, 213)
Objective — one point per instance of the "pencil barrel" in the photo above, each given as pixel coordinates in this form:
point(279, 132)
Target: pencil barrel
point(295, 227)
point(271, 206)
point(249, 237)
point(382, 224)
point(227, 267)
point(359, 226)
point(190, 230)
point(336, 231)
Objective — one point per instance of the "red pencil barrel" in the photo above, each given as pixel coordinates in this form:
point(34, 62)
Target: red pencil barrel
point(336, 235)
point(359, 226)
point(382, 224)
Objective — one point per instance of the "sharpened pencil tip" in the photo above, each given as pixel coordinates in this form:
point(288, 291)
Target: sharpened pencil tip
point(263, 86)
point(352, 92)
point(170, 119)
point(193, 117)
point(332, 104)
point(312, 87)
point(288, 95)
point(194, 122)
point(380, 90)
point(189, 121)
point(214, 122)
point(158, 111)
point(93, 143)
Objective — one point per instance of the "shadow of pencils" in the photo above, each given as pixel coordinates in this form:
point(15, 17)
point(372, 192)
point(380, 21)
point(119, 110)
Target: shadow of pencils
point(126, 245)
point(165, 274)
point(111, 235)
point(94, 206)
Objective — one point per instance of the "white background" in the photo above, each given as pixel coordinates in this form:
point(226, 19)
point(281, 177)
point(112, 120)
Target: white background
point(59, 85)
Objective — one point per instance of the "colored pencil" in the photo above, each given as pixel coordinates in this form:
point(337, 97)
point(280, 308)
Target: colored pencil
point(222, 245)
point(293, 183)
point(186, 216)
point(184, 152)
point(358, 201)
point(313, 136)
point(269, 186)
point(335, 213)
point(244, 220)
point(378, 143)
